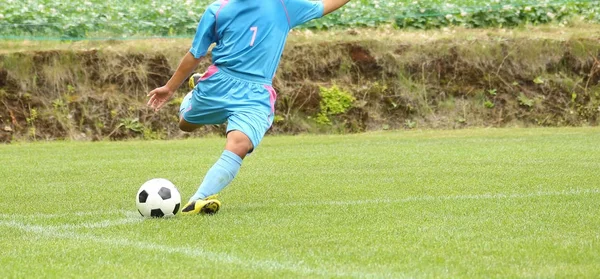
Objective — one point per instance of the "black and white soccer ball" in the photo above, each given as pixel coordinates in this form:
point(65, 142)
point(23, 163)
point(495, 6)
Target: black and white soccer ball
point(158, 198)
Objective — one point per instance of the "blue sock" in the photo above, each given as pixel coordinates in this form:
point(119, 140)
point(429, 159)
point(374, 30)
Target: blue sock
point(219, 175)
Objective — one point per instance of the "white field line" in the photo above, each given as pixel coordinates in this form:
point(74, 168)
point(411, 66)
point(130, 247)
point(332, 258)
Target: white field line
point(197, 253)
point(65, 215)
point(489, 196)
point(132, 217)
point(98, 225)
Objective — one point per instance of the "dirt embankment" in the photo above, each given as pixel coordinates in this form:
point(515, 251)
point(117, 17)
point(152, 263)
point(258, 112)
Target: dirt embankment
point(99, 93)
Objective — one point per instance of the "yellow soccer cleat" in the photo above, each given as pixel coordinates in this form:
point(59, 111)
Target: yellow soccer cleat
point(210, 205)
point(194, 79)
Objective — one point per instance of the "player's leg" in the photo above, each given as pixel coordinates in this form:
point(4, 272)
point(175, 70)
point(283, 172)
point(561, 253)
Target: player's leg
point(238, 143)
point(187, 126)
point(245, 131)
point(249, 120)
point(186, 106)
point(219, 175)
point(226, 167)
point(204, 104)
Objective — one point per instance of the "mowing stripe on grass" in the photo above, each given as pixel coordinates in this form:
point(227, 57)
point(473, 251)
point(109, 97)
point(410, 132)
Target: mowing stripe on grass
point(269, 265)
point(488, 196)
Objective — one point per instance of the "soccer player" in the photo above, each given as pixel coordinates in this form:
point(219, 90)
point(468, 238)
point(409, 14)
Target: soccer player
point(250, 36)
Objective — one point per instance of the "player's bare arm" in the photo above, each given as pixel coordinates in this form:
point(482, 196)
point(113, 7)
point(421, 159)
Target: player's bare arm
point(332, 5)
point(159, 96)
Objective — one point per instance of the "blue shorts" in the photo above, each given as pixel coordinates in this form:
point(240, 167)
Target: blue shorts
point(247, 106)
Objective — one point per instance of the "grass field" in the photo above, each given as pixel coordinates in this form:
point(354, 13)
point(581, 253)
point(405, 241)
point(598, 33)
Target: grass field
point(420, 204)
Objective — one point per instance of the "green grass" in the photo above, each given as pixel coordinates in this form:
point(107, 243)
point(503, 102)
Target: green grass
point(469, 203)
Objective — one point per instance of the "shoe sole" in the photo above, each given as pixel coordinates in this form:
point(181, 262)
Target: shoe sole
point(209, 208)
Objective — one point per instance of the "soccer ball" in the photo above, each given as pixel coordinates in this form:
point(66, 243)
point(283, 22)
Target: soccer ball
point(158, 198)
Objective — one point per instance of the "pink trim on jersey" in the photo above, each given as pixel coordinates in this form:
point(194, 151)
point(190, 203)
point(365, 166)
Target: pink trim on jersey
point(286, 13)
point(223, 4)
point(272, 97)
point(209, 73)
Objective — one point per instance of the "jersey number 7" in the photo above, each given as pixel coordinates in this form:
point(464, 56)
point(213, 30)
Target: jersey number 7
point(254, 29)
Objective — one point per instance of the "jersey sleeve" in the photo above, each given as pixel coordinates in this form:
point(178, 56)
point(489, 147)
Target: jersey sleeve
point(205, 34)
point(301, 11)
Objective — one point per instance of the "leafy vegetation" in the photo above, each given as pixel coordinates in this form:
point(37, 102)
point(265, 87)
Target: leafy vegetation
point(126, 18)
point(333, 101)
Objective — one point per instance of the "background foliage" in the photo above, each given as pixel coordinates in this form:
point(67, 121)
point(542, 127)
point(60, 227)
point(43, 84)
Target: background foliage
point(75, 19)
point(392, 80)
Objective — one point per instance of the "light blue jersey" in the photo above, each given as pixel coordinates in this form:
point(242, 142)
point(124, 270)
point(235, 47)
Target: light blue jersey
point(250, 34)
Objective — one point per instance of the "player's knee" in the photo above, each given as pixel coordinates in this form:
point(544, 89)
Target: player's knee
point(186, 127)
point(238, 143)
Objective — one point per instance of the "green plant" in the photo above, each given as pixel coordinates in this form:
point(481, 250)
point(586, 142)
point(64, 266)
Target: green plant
point(410, 124)
point(33, 116)
point(334, 101)
point(538, 80)
point(132, 124)
point(278, 118)
point(61, 113)
point(525, 101)
point(150, 134)
point(70, 19)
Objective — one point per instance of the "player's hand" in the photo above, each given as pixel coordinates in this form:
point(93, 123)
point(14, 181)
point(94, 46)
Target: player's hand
point(159, 97)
